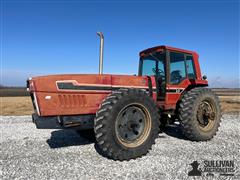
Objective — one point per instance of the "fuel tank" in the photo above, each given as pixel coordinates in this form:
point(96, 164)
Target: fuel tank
point(77, 94)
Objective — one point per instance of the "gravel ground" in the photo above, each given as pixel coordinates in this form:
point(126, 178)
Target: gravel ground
point(30, 153)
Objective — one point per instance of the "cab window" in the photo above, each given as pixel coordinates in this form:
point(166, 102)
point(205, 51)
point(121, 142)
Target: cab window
point(190, 67)
point(153, 65)
point(148, 66)
point(177, 67)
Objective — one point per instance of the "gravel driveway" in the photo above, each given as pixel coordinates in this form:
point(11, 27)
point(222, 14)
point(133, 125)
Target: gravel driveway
point(30, 153)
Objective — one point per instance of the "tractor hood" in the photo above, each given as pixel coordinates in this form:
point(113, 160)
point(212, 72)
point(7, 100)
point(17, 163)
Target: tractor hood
point(85, 82)
point(74, 94)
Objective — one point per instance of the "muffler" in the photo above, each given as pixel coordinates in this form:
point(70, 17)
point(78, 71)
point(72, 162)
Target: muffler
point(100, 34)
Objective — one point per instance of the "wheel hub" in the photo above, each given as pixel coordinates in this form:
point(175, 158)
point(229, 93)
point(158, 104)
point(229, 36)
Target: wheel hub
point(131, 124)
point(205, 114)
point(130, 130)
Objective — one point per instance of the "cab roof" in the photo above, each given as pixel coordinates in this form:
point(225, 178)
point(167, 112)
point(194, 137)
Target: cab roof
point(163, 47)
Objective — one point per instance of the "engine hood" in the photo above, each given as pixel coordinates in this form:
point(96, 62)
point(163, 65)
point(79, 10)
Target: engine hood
point(85, 82)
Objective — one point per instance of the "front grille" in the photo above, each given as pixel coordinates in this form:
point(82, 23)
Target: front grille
point(70, 101)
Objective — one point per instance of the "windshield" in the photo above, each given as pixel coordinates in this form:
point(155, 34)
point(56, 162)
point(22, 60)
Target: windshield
point(153, 65)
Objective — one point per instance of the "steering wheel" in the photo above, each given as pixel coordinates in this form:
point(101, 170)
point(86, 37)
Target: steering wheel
point(158, 71)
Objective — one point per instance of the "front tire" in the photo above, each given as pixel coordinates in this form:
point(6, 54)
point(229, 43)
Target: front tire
point(200, 114)
point(126, 124)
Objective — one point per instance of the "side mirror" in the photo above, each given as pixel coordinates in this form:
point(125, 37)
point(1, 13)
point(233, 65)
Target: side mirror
point(204, 77)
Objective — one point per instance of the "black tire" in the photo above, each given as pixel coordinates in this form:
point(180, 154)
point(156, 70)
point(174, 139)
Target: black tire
point(87, 134)
point(200, 114)
point(107, 131)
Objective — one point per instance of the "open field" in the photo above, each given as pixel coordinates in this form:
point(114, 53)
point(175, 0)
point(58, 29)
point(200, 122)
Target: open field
point(15, 106)
point(13, 91)
point(230, 103)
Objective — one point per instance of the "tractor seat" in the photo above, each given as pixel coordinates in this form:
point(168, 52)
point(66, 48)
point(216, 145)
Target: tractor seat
point(176, 77)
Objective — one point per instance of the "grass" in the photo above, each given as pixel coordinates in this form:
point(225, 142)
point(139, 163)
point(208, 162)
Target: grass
point(16, 106)
point(230, 103)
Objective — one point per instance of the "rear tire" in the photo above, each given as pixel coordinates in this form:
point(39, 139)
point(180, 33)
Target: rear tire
point(200, 114)
point(126, 124)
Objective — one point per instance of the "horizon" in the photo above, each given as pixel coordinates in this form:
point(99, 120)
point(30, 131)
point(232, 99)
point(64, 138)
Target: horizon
point(59, 37)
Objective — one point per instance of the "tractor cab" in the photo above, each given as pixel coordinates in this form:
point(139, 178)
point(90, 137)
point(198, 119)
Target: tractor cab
point(173, 69)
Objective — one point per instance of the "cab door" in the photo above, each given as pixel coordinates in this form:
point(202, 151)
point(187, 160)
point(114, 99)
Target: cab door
point(177, 78)
point(153, 65)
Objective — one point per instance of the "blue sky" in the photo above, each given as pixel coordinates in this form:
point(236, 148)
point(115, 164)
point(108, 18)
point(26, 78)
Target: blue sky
point(40, 37)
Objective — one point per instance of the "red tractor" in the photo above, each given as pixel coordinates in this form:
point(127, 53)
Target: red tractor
point(127, 112)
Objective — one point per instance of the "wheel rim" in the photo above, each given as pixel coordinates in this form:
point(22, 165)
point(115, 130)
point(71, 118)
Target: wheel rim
point(206, 115)
point(133, 125)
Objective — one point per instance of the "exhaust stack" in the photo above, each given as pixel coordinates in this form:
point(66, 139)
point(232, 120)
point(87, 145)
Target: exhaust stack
point(100, 34)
